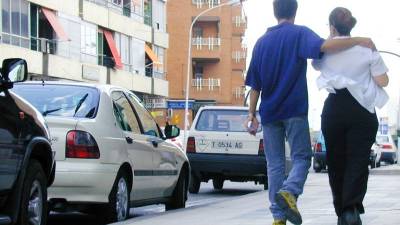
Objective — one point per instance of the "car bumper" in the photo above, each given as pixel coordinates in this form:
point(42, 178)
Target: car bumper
point(83, 182)
point(228, 165)
point(388, 157)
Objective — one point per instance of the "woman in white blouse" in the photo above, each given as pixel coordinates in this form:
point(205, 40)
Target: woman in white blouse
point(354, 78)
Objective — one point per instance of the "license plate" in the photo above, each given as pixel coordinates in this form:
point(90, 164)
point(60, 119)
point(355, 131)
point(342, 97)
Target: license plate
point(227, 145)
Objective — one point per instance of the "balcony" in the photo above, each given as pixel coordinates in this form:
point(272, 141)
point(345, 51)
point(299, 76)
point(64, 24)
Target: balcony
point(210, 84)
point(239, 25)
point(122, 7)
point(239, 92)
point(205, 3)
point(206, 49)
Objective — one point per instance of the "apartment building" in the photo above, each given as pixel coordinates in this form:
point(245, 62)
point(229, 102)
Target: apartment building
point(218, 59)
point(118, 42)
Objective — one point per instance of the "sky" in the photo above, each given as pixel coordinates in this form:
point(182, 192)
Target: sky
point(379, 20)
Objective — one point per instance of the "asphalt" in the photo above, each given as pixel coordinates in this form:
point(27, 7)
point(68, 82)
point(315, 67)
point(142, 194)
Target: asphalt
point(382, 204)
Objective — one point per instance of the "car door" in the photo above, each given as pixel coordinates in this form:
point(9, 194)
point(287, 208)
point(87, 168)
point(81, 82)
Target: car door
point(164, 156)
point(11, 145)
point(139, 151)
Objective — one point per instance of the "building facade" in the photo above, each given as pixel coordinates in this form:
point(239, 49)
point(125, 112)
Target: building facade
point(218, 56)
point(118, 42)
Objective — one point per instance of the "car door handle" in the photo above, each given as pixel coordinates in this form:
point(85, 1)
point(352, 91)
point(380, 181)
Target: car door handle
point(129, 140)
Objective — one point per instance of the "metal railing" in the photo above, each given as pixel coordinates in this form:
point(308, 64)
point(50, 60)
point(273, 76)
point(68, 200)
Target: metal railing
point(129, 10)
point(150, 72)
point(211, 42)
point(239, 21)
point(238, 56)
point(206, 3)
point(211, 83)
point(239, 92)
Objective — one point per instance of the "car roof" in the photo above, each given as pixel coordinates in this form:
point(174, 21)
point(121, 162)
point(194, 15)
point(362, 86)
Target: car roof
point(225, 108)
point(101, 87)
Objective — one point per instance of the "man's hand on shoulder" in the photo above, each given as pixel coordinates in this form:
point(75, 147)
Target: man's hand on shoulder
point(366, 42)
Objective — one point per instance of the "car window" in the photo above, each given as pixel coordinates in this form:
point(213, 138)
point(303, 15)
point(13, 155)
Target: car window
point(382, 139)
point(223, 120)
point(148, 123)
point(124, 115)
point(61, 100)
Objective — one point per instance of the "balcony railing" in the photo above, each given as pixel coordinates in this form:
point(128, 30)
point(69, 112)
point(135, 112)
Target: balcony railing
point(150, 72)
point(129, 10)
point(239, 92)
point(238, 56)
point(210, 42)
point(206, 3)
point(211, 83)
point(239, 21)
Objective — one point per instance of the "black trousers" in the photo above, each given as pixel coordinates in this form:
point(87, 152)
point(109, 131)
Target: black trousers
point(349, 131)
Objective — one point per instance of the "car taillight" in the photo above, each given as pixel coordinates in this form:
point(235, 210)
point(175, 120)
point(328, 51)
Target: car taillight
point(81, 144)
point(191, 145)
point(318, 147)
point(261, 147)
point(386, 146)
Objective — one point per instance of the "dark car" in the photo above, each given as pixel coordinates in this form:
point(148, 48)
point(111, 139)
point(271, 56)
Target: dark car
point(26, 157)
point(319, 162)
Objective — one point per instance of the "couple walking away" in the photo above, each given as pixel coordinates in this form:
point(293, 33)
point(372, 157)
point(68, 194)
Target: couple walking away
point(353, 72)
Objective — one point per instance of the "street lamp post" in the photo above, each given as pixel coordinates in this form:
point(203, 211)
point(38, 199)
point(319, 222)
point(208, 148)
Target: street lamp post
point(189, 62)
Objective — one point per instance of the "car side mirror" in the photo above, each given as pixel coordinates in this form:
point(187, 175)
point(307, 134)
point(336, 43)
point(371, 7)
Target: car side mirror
point(171, 131)
point(14, 70)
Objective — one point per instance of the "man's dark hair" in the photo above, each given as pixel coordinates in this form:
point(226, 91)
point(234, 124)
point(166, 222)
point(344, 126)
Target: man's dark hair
point(342, 20)
point(285, 9)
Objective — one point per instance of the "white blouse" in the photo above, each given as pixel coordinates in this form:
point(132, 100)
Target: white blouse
point(354, 69)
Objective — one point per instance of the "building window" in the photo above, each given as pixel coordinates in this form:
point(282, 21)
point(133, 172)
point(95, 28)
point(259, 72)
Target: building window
point(88, 42)
point(198, 71)
point(198, 31)
point(123, 43)
point(15, 22)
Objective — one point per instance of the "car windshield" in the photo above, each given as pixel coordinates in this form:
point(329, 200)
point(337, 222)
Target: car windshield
point(60, 100)
point(382, 139)
point(223, 120)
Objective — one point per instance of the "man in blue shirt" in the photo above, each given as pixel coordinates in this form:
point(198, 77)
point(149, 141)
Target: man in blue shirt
point(278, 70)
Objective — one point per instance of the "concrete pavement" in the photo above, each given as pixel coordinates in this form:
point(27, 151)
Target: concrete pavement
point(382, 205)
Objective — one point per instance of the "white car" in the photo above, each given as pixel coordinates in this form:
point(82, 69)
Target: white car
point(109, 150)
point(220, 148)
point(387, 147)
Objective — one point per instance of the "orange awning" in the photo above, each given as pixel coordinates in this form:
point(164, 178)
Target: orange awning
point(151, 54)
point(52, 18)
point(113, 48)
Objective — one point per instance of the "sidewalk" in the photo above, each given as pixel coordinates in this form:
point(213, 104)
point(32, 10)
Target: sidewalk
point(382, 205)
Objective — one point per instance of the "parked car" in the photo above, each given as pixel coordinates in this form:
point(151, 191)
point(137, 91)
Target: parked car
point(111, 154)
point(26, 157)
point(375, 158)
point(319, 162)
point(387, 147)
point(220, 148)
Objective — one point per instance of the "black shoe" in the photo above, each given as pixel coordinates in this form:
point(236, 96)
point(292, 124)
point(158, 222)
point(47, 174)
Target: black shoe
point(350, 216)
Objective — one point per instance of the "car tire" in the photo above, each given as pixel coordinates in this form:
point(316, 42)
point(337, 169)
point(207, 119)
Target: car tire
point(179, 195)
point(266, 185)
point(194, 184)
point(317, 169)
point(378, 164)
point(218, 183)
point(118, 206)
point(34, 204)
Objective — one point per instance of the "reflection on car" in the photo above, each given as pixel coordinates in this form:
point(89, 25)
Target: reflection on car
point(26, 157)
point(387, 148)
point(220, 148)
point(111, 154)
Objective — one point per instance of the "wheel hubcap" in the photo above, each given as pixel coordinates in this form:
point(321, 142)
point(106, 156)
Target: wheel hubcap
point(122, 200)
point(35, 207)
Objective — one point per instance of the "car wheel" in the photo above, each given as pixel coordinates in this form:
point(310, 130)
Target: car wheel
point(373, 164)
point(266, 185)
point(179, 195)
point(34, 206)
point(218, 183)
point(194, 184)
point(117, 208)
point(378, 164)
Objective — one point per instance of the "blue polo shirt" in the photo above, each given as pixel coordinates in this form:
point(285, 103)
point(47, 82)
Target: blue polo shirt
point(278, 69)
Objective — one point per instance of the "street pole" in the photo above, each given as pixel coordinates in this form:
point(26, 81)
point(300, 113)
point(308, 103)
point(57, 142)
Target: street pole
point(189, 63)
point(398, 112)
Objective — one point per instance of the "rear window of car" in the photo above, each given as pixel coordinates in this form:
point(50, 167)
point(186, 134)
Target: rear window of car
point(223, 120)
point(61, 100)
point(382, 139)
